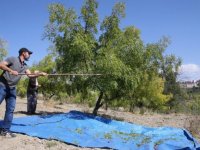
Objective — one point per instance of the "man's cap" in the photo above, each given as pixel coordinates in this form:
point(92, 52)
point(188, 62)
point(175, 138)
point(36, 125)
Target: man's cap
point(24, 50)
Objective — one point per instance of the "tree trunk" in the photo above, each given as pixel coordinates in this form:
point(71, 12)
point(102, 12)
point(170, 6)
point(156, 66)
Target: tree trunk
point(131, 106)
point(98, 104)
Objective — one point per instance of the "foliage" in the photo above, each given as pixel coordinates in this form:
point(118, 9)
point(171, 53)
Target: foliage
point(50, 86)
point(188, 102)
point(166, 66)
point(131, 71)
point(22, 87)
point(151, 93)
point(3, 51)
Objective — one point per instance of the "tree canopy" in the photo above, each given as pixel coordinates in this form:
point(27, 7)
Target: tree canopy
point(138, 74)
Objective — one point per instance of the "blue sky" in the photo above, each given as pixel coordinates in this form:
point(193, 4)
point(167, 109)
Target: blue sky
point(22, 25)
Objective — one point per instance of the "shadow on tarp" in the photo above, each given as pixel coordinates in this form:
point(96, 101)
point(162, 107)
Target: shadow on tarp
point(86, 130)
point(76, 115)
point(38, 113)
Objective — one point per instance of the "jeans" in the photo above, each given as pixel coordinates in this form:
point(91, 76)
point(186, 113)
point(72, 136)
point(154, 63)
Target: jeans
point(9, 94)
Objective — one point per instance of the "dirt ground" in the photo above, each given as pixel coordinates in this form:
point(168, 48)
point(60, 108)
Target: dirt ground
point(24, 142)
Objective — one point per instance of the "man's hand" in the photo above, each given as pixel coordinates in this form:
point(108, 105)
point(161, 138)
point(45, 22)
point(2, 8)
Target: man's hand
point(14, 72)
point(43, 74)
point(35, 74)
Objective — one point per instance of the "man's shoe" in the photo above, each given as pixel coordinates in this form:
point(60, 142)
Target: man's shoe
point(6, 133)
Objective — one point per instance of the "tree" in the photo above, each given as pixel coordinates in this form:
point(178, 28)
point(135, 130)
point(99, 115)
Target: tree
point(128, 67)
point(165, 65)
point(110, 62)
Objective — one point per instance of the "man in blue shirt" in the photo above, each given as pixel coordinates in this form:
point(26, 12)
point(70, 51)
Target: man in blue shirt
point(11, 67)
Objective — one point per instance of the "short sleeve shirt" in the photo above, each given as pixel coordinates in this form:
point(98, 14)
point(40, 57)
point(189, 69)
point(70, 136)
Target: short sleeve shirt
point(15, 64)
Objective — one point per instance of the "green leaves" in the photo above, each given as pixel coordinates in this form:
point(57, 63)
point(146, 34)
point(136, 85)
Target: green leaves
point(90, 16)
point(3, 51)
point(131, 70)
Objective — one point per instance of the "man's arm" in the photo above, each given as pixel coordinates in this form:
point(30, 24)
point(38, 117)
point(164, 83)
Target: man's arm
point(31, 75)
point(3, 66)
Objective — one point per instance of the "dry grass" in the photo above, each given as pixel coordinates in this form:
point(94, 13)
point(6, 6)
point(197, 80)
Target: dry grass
point(192, 125)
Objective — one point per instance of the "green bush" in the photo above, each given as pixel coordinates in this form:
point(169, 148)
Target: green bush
point(92, 96)
point(22, 87)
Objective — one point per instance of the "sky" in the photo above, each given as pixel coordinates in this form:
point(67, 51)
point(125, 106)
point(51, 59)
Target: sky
point(22, 25)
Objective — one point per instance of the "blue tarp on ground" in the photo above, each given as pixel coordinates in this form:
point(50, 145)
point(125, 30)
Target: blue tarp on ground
point(85, 130)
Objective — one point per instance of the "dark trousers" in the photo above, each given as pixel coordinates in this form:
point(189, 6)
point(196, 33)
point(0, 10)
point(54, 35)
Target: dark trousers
point(31, 101)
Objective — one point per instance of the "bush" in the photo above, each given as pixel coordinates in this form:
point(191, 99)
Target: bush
point(22, 87)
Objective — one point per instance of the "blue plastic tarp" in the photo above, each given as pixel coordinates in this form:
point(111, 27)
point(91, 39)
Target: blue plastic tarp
point(86, 130)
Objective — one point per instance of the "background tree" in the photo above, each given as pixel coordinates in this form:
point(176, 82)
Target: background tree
point(3, 49)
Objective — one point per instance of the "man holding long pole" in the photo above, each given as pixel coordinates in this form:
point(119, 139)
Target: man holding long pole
point(12, 68)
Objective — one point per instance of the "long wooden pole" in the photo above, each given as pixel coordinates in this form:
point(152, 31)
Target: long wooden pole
point(65, 74)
